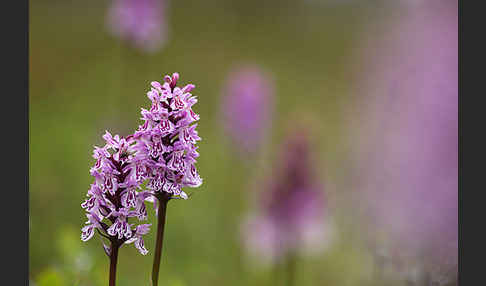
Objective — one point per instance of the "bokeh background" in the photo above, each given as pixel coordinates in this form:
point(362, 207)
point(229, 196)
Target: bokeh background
point(332, 65)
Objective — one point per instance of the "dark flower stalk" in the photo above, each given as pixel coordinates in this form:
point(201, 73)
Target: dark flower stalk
point(163, 199)
point(113, 261)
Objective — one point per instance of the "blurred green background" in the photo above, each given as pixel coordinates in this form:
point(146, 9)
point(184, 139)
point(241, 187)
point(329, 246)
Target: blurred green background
point(83, 81)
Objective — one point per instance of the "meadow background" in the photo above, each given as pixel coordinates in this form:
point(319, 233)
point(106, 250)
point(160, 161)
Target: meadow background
point(83, 81)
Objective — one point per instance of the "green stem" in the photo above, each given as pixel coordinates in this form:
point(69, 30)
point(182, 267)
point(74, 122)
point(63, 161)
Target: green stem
point(290, 268)
point(163, 199)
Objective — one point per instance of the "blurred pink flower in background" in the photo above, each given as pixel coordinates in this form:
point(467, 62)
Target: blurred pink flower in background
point(142, 23)
point(408, 155)
point(291, 208)
point(247, 107)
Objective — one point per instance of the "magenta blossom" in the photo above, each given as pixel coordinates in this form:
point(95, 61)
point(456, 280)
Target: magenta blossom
point(246, 107)
point(408, 155)
point(290, 217)
point(166, 141)
point(139, 22)
point(115, 196)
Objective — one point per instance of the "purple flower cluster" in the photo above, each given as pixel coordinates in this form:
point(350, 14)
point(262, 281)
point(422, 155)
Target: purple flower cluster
point(162, 152)
point(166, 142)
point(407, 158)
point(292, 207)
point(246, 107)
point(115, 194)
point(141, 22)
